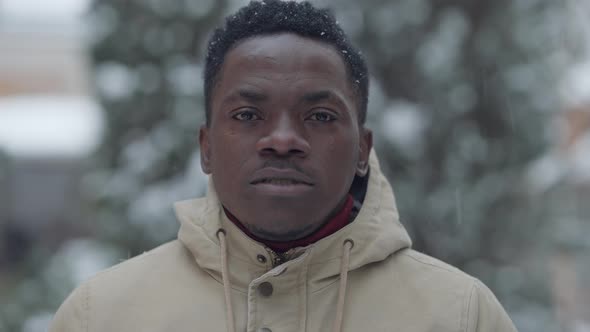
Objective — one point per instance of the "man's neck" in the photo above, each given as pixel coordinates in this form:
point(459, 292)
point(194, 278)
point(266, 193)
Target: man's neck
point(335, 223)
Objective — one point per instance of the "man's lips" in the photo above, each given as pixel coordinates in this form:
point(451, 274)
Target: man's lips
point(280, 177)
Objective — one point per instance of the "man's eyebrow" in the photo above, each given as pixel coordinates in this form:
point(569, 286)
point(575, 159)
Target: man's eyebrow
point(317, 96)
point(251, 95)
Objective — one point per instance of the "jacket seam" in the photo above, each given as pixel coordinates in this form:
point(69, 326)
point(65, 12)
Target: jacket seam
point(86, 317)
point(450, 270)
point(120, 264)
point(471, 291)
point(201, 226)
point(221, 283)
point(326, 286)
point(329, 260)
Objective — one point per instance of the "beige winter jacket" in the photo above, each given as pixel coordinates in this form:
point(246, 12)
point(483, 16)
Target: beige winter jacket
point(364, 277)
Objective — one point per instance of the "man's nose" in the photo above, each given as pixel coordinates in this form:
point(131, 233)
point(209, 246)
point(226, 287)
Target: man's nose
point(284, 138)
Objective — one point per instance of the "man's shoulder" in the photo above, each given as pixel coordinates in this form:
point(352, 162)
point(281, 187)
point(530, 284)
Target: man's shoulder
point(418, 262)
point(158, 259)
point(425, 274)
point(122, 294)
point(480, 307)
point(437, 289)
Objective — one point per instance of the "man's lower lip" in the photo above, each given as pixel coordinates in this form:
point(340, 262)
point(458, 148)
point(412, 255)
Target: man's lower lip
point(282, 189)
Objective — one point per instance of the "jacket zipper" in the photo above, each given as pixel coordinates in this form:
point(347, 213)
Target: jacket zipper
point(278, 258)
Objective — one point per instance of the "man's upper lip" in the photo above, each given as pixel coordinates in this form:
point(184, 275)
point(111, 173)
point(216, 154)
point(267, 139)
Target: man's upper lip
point(270, 173)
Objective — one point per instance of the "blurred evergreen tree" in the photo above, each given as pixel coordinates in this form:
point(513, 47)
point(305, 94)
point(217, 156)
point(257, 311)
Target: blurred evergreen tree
point(148, 78)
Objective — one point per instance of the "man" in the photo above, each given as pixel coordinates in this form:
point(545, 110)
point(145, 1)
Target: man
point(299, 230)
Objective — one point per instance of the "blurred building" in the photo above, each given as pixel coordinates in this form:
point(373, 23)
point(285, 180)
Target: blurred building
point(570, 265)
point(49, 123)
point(563, 175)
point(42, 59)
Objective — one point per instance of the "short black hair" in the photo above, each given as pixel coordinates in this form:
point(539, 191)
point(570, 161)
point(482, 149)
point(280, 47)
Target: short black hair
point(269, 17)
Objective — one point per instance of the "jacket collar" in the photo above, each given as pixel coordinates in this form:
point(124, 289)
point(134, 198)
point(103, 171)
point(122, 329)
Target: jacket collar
point(376, 233)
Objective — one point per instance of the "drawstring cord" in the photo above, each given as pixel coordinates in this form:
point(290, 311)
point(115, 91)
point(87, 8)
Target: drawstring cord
point(229, 312)
point(346, 248)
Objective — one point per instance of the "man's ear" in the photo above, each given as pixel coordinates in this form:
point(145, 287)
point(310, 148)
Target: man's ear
point(365, 146)
point(205, 149)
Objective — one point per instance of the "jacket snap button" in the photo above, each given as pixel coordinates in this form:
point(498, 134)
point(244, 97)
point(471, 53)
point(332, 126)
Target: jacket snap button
point(265, 289)
point(264, 329)
point(261, 259)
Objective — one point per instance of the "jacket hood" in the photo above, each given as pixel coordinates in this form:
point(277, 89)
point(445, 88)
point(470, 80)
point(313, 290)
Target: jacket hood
point(376, 233)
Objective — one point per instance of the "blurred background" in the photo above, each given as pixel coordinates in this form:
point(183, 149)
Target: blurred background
point(480, 109)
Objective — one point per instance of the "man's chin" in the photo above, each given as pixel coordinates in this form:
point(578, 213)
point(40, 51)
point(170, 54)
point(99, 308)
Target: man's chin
point(282, 190)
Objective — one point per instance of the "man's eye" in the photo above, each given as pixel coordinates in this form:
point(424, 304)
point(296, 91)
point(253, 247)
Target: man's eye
point(322, 117)
point(246, 116)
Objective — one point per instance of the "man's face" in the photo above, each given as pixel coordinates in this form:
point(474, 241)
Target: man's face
point(284, 142)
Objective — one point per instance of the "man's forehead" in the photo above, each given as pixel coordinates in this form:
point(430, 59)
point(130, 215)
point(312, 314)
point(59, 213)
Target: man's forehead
point(288, 62)
point(287, 51)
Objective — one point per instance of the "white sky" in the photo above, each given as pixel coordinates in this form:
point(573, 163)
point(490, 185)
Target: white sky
point(49, 126)
point(43, 9)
